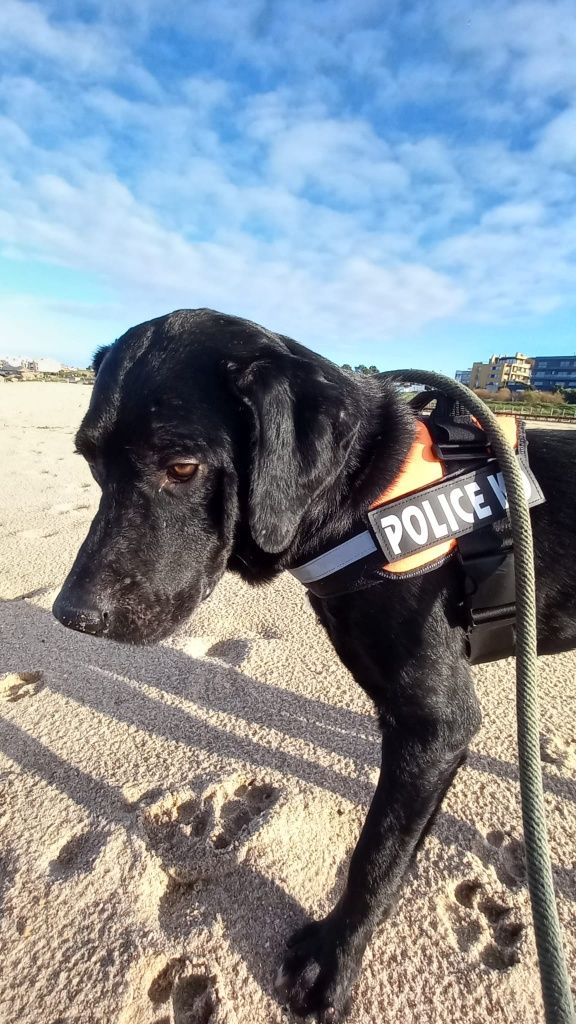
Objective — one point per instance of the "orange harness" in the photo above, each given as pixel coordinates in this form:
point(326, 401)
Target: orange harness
point(446, 498)
point(421, 469)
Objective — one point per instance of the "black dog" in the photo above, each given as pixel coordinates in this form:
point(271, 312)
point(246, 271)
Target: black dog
point(220, 445)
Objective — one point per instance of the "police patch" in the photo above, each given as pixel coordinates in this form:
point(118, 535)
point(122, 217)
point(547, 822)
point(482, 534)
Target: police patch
point(447, 510)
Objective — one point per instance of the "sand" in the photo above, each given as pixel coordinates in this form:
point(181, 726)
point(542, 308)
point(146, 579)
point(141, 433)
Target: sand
point(169, 815)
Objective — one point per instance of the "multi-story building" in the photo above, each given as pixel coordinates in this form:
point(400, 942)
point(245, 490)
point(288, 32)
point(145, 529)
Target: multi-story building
point(551, 372)
point(502, 372)
point(464, 376)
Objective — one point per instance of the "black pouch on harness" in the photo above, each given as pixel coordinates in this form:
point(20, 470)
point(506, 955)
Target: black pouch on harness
point(486, 555)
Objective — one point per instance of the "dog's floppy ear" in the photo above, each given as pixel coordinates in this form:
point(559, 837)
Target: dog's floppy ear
point(302, 430)
point(99, 356)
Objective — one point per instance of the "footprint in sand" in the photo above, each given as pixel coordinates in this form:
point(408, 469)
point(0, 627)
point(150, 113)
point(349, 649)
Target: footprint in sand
point(17, 685)
point(233, 651)
point(31, 534)
point(203, 836)
point(554, 750)
point(78, 855)
point(508, 857)
point(60, 509)
point(8, 871)
point(268, 633)
point(189, 992)
point(485, 926)
point(67, 509)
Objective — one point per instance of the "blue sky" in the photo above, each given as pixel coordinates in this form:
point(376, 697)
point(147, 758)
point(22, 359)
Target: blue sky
point(388, 183)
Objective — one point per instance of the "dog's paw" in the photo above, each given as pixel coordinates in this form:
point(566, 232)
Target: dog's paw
point(319, 972)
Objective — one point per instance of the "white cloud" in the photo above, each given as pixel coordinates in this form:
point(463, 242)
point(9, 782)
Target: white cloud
point(86, 47)
point(557, 143)
point(514, 263)
point(69, 46)
point(344, 158)
point(98, 226)
point(515, 215)
point(11, 135)
point(532, 44)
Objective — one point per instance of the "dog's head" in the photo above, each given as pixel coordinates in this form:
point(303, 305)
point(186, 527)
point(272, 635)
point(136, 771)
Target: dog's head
point(207, 435)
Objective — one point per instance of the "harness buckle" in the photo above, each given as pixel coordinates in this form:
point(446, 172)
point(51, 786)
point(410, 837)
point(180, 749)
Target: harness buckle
point(491, 640)
point(461, 451)
point(491, 604)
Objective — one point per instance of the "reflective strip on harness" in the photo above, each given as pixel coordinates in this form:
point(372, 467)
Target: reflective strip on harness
point(337, 558)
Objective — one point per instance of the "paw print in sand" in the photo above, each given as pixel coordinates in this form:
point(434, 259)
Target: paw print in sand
point(485, 928)
point(78, 854)
point(558, 752)
point(188, 992)
point(17, 685)
point(206, 835)
point(508, 857)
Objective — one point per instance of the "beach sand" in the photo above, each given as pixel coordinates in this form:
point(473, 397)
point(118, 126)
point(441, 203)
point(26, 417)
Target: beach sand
point(169, 815)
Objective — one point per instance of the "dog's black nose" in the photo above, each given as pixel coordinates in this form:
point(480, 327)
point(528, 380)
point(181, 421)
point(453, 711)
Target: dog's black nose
point(85, 620)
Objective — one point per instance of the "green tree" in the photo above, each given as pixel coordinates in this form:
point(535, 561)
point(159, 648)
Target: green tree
point(365, 370)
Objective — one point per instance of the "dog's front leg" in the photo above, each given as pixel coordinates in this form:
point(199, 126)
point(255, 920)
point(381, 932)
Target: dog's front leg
point(324, 957)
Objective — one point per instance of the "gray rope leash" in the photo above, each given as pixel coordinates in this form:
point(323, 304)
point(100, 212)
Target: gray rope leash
point(558, 1005)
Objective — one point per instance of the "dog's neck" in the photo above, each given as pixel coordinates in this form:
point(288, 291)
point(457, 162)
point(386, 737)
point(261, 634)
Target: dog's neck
point(377, 450)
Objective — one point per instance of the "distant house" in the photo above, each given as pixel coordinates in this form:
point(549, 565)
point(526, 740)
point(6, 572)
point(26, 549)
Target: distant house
point(9, 364)
point(48, 366)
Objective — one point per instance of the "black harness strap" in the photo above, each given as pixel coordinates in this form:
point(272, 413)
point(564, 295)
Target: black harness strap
point(486, 555)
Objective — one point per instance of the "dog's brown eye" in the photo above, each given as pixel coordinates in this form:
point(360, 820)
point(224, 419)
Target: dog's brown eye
point(181, 471)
